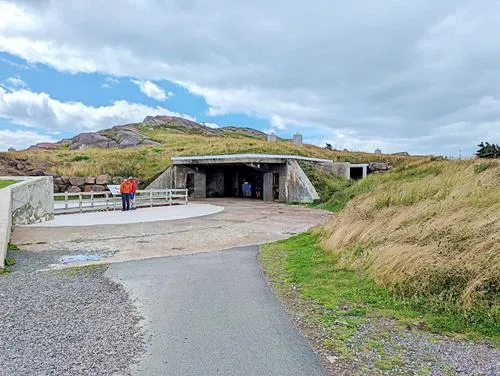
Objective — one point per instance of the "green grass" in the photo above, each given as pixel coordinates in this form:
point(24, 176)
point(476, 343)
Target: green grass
point(6, 183)
point(348, 298)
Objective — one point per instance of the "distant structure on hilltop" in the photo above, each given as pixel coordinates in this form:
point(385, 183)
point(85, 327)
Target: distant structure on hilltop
point(378, 151)
point(297, 139)
point(11, 149)
point(272, 137)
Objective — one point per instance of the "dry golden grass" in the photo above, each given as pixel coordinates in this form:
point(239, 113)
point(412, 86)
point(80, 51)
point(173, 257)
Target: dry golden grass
point(431, 230)
point(148, 162)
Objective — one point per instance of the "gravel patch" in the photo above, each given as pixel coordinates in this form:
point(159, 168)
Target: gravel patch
point(383, 343)
point(65, 322)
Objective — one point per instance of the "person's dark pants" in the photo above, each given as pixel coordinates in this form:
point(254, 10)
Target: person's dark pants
point(126, 201)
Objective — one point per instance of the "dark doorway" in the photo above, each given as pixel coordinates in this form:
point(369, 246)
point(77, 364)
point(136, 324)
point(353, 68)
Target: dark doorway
point(356, 173)
point(190, 183)
point(227, 181)
point(276, 186)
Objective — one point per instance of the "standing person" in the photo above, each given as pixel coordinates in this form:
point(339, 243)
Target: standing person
point(125, 188)
point(133, 190)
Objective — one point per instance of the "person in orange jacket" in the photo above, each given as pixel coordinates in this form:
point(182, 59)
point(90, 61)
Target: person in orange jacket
point(125, 189)
point(133, 191)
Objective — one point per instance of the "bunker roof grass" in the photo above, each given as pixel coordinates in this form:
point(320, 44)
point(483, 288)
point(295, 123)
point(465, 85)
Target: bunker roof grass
point(6, 183)
point(149, 161)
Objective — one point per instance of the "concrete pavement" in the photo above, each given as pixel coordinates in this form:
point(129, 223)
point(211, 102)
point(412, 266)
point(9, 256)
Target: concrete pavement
point(141, 215)
point(242, 223)
point(212, 314)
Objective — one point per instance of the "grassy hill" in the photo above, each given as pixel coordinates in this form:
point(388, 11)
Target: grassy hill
point(147, 162)
point(421, 243)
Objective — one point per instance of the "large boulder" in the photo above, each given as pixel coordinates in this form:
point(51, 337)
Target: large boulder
point(91, 140)
point(103, 179)
point(94, 188)
point(378, 166)
point(74, 189)
point(90, 180)
point(77, 181)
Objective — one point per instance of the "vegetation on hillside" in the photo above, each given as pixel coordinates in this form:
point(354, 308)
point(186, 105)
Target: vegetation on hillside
point(487, 150)
point(6, 183)
point(147, 162)
point(419, 243)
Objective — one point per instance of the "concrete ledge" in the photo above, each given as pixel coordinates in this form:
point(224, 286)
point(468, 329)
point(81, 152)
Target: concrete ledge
point(5, 223)
point(30, 200)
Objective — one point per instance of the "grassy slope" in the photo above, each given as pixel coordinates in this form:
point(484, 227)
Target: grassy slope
point(147, 162)
point(419, 243)
point(6, 183)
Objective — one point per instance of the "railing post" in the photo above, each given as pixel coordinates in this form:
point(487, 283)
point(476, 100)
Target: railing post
point(170, 197)
point(65, 202)
point(80, 203)
point(92, 200)
point(151, 197)
point(186, 194)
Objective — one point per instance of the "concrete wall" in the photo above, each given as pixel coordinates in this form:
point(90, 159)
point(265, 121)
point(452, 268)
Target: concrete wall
point(164, 181)
point(298, 187)
point(28, 201)
point(5, 223)
point(32, 200)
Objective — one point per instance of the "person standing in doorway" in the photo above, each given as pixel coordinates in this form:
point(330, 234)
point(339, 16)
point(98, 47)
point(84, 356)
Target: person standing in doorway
point(125, 188)
point(133, 190)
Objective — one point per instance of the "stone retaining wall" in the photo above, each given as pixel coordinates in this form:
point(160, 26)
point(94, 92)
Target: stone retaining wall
point(30, 200)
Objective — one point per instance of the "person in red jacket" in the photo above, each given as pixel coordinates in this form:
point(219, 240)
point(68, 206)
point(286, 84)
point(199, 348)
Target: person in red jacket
point(125, 189)
point(133, 191)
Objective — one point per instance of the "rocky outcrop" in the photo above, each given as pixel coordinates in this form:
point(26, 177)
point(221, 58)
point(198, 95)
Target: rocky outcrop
point(378, 167)
point(91, 140)
point(21, 167)
point(130, 135)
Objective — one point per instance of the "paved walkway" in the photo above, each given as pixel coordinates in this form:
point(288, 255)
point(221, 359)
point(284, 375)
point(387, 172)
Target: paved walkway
point(141, 215)
point(242, 223)
point(212, 314)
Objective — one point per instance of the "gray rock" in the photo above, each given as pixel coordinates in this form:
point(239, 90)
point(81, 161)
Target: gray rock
point(90, 180)
point(94, 188)
point(77, 181)
point(378, 166)
point(65, 179)
point(103, 179)
point(74, 189)
point(91, 140)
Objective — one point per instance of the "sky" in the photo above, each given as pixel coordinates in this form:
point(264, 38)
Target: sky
point(420, 76)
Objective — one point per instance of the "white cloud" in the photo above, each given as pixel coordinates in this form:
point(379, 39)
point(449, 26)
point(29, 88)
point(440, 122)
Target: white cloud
point(151, 90)
point(21, 139)
point(394, 71)
point(13, 83)
point(39, 110)
point(109, 82)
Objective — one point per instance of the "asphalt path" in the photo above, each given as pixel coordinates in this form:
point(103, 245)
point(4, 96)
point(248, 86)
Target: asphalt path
point(212, 314)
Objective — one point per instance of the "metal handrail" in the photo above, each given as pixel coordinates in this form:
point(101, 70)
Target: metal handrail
point(91, 201)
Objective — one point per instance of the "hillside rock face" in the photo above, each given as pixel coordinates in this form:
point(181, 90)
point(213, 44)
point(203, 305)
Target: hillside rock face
point(21, 167)
point(129, 135)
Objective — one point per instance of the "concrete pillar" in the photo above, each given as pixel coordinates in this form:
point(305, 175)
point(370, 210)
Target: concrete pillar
point(365, 171)
point(267, 186)
point(200, 185)
point(297, 139)
point(272, 138)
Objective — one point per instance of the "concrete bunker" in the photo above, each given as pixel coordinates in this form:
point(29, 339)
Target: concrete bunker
point(271, 177)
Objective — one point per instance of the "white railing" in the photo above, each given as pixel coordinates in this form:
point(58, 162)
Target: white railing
point(91, 201)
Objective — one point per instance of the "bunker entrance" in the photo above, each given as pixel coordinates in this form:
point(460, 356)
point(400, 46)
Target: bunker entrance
point(356, 173)
point(234, 181)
